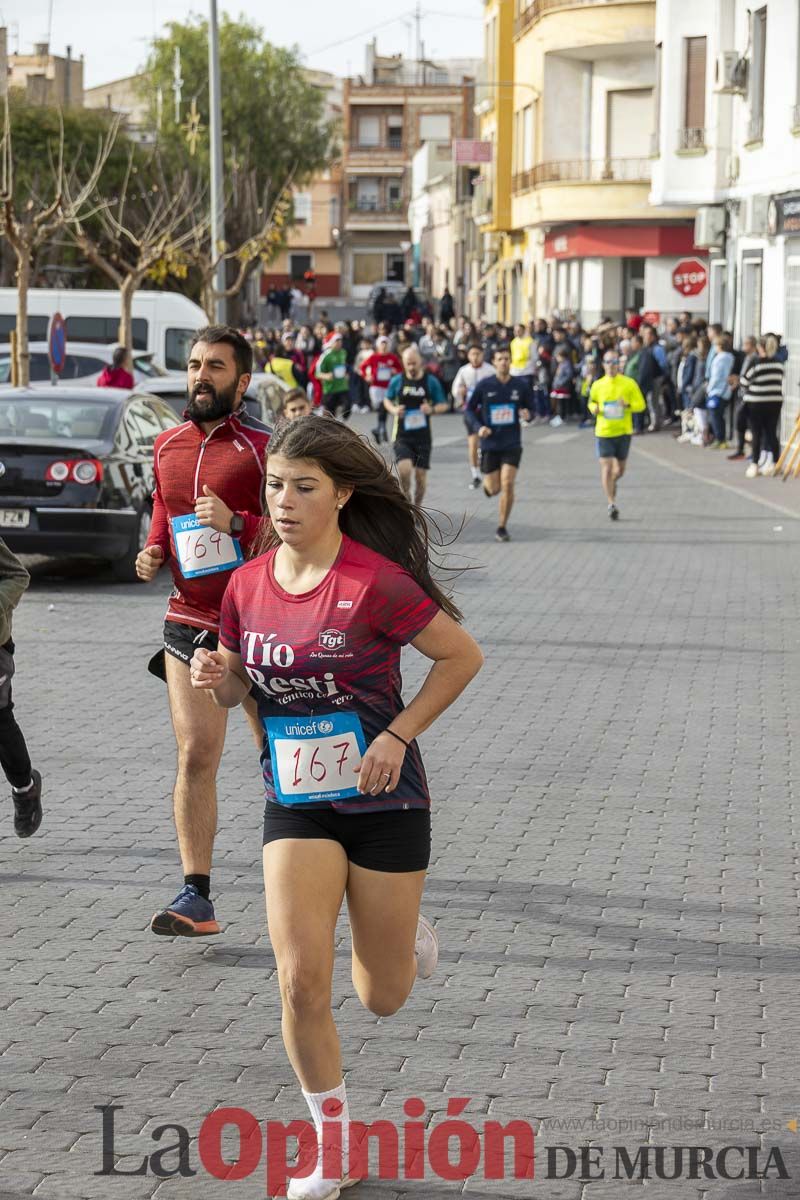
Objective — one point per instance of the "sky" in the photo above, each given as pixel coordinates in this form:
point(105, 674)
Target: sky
point(114, 35)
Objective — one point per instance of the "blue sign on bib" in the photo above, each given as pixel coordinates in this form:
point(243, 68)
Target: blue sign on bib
point(202, 550)
point(414, 420)
point(502, 414)
point(314, 757)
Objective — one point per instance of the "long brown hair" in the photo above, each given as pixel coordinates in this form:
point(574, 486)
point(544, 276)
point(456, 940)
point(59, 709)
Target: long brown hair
point(378, 514)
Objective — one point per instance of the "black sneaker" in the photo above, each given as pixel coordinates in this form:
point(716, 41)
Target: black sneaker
point(475, 482)
point(28, 808)
point(613, 512)
point(502, 534)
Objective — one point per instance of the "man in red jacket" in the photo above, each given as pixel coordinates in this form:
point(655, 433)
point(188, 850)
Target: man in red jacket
point(207, 515)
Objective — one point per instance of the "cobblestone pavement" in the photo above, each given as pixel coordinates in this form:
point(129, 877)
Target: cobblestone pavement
point(614, 879)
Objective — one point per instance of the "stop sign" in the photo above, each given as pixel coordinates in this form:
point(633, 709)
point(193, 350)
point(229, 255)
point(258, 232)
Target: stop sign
point(689, 277)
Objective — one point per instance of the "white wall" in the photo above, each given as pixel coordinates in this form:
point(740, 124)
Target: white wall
point(661, 296)
point(695, 178)
point(618, 74)
point(705, 178)
point(563, 134)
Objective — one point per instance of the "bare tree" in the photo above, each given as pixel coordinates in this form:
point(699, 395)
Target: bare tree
point(142, 233)
point(28, 229)
point(261, 232)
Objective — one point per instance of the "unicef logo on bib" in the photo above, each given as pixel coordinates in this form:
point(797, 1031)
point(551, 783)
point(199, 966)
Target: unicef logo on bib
point(325, 726)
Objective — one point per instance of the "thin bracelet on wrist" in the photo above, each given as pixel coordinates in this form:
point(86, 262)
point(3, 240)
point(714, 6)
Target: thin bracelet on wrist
point(392, 733)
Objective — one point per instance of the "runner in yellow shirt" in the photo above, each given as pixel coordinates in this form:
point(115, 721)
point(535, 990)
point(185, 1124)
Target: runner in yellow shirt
point(612, 400)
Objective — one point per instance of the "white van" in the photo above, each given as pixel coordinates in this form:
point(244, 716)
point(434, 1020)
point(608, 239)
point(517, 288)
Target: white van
point(164, 323)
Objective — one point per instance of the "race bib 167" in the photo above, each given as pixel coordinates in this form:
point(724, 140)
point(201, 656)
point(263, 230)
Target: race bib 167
point(315, 757)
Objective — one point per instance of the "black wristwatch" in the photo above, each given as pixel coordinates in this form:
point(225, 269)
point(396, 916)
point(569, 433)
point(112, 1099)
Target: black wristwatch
point(237, 525)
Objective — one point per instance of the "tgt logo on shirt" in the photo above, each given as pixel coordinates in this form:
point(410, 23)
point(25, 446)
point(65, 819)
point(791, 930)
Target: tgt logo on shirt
point(331, 639)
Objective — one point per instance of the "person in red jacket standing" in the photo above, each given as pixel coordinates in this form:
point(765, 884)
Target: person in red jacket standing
point(207, 514)
point(118, 375)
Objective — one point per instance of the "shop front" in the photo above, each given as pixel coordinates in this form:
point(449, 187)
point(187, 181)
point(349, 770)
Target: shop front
point(597, 270)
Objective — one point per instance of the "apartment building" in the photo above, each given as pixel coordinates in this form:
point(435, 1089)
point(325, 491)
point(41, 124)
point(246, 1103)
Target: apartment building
point(729, 142)
point(491, 205)
point(47, 79)
point(389, 112)
point(573, 147)
point(313, 242)
point(440, 217)
point(126, 98)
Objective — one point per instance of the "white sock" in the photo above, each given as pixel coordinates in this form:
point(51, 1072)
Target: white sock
point(27, 787)
point(476, 472)
point(317, 1185)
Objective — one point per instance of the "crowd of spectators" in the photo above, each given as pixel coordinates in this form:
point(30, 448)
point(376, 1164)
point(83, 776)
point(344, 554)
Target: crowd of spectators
point(697, 384)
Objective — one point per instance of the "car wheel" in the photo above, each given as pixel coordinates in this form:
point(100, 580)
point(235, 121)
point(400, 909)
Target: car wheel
point(125, 568)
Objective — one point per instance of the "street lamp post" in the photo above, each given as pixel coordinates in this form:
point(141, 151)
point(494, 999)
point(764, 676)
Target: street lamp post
point(215, 141)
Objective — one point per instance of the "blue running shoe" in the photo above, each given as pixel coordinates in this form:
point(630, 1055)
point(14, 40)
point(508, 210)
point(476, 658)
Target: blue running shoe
point(189, 915)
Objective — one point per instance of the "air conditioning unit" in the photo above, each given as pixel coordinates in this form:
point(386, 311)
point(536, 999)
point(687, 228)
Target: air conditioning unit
point(709, 226)
point(755, 216)
point(731, 73)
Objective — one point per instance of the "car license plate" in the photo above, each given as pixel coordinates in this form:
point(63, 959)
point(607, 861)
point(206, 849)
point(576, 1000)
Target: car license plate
point(14, 518)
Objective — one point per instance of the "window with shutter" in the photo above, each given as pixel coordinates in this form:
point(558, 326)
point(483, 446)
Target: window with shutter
point(694, 113)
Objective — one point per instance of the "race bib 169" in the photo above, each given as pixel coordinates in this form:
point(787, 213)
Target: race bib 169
point(202, 550)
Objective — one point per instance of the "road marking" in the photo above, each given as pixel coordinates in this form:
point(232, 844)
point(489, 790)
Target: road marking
point(557, 439)
point(727, 487)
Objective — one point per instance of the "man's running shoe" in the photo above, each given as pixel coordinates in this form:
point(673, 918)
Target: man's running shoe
point(475, 482)
point(28, 808)
point(189, 915)
point(502, 534)
point(426, 948)
point(613, 512)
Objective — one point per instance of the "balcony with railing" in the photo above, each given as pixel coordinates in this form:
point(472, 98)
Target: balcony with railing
point(387, 145)
point(541, 8)
point(691, 140)
point(373, 204)
point(588, 170)
point(522, 181)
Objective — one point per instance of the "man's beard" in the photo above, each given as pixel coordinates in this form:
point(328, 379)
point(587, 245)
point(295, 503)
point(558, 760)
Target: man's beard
point(212, 405)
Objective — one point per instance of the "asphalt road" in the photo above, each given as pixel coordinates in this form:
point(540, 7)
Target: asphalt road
point(614, 878)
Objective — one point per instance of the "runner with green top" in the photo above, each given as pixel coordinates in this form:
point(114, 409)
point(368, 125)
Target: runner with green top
point(331, 370)
point(612, 400)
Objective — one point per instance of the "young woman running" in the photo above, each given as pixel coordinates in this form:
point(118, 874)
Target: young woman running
point(317, 623)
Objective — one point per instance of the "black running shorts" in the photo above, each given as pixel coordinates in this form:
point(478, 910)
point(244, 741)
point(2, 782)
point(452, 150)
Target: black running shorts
point(181, 641)
point(493, 460)
point(396, 840)
point(418, 451)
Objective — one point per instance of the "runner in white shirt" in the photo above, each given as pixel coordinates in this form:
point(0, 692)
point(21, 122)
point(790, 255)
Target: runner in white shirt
point(473, 371)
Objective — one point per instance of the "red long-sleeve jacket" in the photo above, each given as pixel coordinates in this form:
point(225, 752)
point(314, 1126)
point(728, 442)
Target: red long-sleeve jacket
point(230, 460)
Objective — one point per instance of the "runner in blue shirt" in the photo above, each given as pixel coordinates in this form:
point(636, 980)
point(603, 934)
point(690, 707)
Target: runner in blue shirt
point(493, 412)
point(412, 398)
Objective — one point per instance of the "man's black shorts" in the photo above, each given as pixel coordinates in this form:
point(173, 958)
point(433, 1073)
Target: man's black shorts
point(396, 840)
point(493, 460)
point(181, 641)
point(419, 451)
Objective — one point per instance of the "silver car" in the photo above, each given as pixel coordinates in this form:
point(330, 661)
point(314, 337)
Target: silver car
point(84, 364)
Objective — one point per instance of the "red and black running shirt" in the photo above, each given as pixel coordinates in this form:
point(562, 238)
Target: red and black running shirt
point(336, 648)
point(231, 461)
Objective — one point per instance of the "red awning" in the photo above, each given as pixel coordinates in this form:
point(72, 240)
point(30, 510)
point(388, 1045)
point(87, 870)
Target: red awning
point(620, 241)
